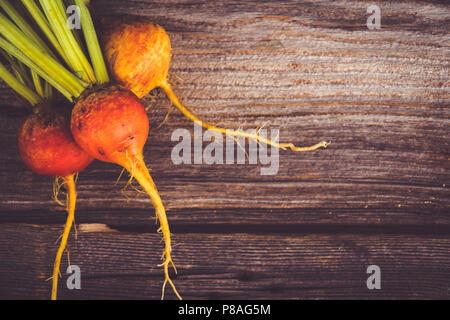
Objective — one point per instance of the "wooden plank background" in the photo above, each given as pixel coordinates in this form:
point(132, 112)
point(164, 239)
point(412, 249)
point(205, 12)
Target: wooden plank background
point(377, 195)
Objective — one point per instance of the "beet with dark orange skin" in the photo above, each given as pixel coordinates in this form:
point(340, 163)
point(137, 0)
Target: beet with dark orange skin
point(112, 125)
point(47, 147)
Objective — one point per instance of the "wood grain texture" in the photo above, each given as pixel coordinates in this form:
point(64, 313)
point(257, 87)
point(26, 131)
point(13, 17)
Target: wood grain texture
point(217, 266)
point(311, 69)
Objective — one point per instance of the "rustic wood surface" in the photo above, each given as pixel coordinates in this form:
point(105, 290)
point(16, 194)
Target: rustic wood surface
point(377, 195)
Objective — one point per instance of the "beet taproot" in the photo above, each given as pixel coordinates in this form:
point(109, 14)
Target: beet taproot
point(112, 125)
point(138, 54)
point(47, 147)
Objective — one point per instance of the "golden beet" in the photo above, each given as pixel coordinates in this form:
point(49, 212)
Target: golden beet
point(138, 55)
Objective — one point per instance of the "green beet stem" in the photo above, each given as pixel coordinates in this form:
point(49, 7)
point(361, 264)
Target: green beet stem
point(19, 87)
point(93, 45)
point(19, 55)
point(49, 65)
point(42, 22)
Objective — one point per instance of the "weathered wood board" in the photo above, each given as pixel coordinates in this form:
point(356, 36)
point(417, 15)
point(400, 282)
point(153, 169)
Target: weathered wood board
point(123, 265)
point(377, 195)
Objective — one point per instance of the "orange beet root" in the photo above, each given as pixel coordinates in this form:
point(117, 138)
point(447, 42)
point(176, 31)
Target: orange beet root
point(112, 126)
point(47, 147)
